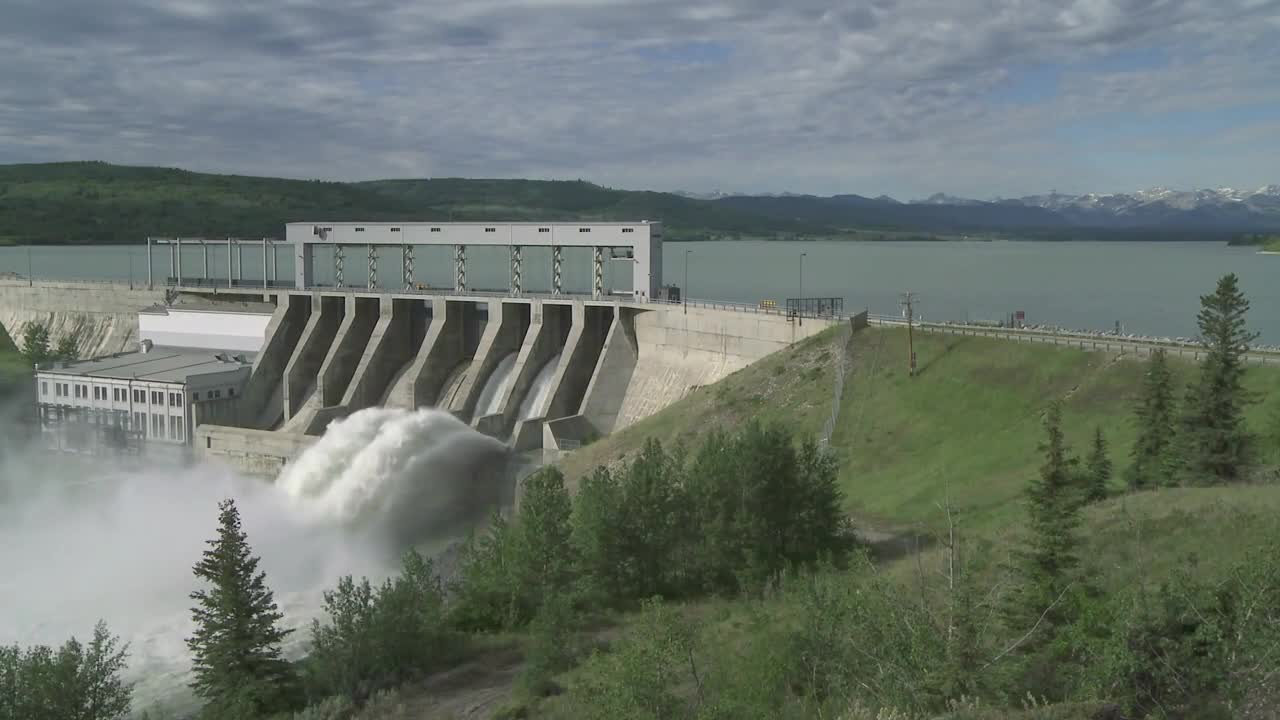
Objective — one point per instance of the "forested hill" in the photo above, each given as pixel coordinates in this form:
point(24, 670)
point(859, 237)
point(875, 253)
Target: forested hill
point(94, 202)
point(101, 203)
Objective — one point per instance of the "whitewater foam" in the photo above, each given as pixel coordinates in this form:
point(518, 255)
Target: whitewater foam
point(121, 546)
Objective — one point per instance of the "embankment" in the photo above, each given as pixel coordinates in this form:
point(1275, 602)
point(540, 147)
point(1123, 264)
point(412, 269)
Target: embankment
point(103, 317)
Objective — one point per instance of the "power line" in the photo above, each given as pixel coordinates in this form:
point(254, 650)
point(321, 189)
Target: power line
point(908, 301)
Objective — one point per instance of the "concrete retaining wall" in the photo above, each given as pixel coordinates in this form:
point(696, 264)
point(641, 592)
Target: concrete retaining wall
point(102, 316)
point(683, 348)
point(255, 452)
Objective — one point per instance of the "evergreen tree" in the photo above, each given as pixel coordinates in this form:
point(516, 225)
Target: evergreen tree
point(1048, 561)
point(35, 343)
point(236, 646)
point(1218, 442)
point(67, 348)
point(1154, 448)
point(1098, 469)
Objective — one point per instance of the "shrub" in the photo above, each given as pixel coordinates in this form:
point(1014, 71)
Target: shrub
point(379, 638)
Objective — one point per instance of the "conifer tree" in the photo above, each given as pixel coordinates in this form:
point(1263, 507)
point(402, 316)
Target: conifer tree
point(1098, 469)
point(35, 343)
point(1048, 560)
point(236, 646)
point(1153, 450)
point(1218, 442)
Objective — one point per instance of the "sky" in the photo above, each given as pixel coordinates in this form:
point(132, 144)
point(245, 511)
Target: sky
point(977, 98)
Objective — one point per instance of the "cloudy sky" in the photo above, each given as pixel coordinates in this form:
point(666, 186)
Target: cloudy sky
point(981, 98)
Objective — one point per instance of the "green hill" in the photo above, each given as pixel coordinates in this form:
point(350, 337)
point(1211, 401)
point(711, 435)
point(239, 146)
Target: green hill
point(965, 428)
point(93, 202)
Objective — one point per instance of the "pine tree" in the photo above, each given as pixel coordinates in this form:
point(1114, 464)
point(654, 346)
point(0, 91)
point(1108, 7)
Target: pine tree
point(35, 343)
point(1156, 421)
point(1218, 442)
point(1048, 561)
point(236, 645)
point(1098, 469)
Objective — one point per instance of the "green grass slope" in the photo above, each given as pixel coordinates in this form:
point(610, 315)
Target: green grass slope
point(966, 428)
point(93, 202)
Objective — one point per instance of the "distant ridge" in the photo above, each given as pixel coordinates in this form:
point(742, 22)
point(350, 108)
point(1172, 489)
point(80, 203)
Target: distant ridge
point(95, 202)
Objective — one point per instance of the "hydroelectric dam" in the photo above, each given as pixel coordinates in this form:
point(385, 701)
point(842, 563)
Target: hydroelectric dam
point(297, 348)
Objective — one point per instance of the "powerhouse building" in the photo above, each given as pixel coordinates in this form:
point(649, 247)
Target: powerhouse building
point(127, 400)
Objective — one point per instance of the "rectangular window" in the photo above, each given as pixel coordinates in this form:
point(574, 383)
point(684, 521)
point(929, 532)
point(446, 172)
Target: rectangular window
point(231, 392)
point(359, 229)
point(217, 393)
point(628, 229)
point(178, 434)
point(544, 229)
point(175, 400)
point(435, 229)
point(491, 229)
point(140, 396)
point(84, 391)
point(395, 229)
point(44, 388)
point(195, 397)
point(584, 229)
point(157, 398)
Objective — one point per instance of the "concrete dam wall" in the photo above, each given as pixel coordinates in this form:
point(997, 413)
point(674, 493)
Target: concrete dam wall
point(538, 373)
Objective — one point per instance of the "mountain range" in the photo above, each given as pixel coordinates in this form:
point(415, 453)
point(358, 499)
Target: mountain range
point(1220, 209)
point(95, 202)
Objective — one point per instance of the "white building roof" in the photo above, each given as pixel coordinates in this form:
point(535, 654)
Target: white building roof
point(160, 364)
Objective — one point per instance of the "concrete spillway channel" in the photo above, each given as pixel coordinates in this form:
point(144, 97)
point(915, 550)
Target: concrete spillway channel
point(261, 406)
point(504, 333)
point(446, 349)
point(551, 371)
point(301, 374)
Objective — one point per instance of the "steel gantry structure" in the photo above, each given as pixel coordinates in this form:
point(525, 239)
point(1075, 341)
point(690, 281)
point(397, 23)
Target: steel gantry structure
point(640, 242)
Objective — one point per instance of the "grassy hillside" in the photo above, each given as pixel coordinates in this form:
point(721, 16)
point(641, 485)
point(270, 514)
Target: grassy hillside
point(966, 427)
point(102, 203)
point(13, 369)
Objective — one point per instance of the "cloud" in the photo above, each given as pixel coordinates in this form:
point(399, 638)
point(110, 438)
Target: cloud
point(866, 96)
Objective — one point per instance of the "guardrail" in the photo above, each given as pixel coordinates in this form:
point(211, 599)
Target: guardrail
point(1104, 343)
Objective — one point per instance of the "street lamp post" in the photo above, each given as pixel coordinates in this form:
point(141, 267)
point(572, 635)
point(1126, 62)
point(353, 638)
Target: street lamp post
point(800, 300)
point(684, 297)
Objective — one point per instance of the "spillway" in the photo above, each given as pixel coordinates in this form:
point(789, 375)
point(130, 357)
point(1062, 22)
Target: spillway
point(535, 401)
point(495, 388)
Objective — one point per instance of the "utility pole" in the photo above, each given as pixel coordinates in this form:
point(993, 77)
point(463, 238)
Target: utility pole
point(684, 292)
point(800, 300)
point(908, 301)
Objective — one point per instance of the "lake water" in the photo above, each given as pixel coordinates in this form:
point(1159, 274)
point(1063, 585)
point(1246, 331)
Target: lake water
point(1150, 288)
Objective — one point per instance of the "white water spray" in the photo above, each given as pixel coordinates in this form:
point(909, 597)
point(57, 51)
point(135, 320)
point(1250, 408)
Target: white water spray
point(535, 401)
point(120, 544)
point(495, 388)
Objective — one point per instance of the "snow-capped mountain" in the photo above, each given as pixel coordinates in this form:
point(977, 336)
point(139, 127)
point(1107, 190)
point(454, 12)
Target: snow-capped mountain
point(1160, 205)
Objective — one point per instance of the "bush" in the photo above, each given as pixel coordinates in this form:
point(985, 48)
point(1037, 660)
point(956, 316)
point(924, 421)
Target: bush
point(377, 639)
point(506, 573)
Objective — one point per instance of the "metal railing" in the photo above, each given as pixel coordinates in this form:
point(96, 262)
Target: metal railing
point(1078, 340)
point(844, 339)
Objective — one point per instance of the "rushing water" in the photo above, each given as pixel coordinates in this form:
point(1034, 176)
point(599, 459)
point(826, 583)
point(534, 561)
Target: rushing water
point(1149, 288)
point(120, 547)
point(535, 401)
point(495, 388)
